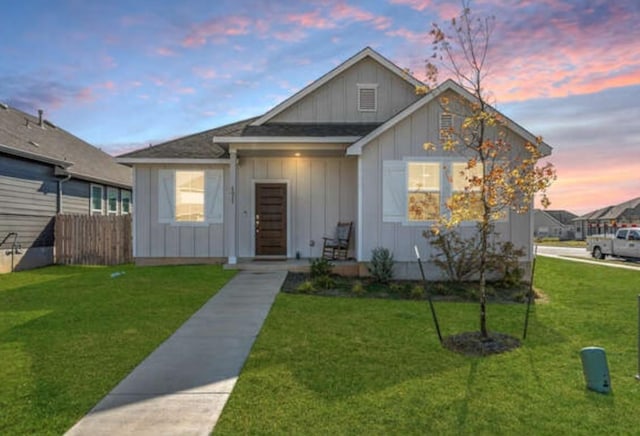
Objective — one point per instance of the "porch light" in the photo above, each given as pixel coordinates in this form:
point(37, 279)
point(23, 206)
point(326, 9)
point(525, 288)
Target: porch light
point(296, 154)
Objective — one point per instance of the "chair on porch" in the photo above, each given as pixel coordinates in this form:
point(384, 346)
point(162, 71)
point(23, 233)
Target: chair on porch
point(337, 247)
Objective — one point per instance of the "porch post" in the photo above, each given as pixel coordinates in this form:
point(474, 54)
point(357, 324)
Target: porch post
point(233, 259)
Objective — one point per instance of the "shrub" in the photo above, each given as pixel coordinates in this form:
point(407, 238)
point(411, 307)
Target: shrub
point(324, 282)
point(381, 265)
point(306, 288)
point(357, 288)
point(417, 292)
point(320, 267)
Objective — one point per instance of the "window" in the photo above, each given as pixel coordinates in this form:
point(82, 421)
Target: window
point(367, 97)
point(190, 196)
point(446, 126)
point(420, 191)
point(112, 201)
point(423, 183)
point(125, 198)
point(622, 234)
point(634, 235)
point(466, 190)
point(96, 199)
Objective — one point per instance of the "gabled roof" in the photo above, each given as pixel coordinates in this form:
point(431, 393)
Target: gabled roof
point(448, 85)
point(310, 129)
point(562, 217)
point(366, 52)
point(25, 136)
point(611, 212)
point(196, 146)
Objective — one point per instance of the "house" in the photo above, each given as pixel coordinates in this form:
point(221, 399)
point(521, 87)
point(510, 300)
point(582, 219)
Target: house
point(45, 170)
point(348, 147)
point(554, 224)
point(608, 220)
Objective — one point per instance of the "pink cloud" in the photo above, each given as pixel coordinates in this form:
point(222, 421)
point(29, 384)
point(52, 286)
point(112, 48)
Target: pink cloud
point(205, 73)
point(311, 20)
point(343, 11)
point(217, 29)
point(418, 5)
point(409, 35)
point(164, 51)
point(85, 95)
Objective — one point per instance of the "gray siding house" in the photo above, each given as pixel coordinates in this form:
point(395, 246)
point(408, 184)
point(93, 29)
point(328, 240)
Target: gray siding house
point(348, 147)
point(608, 219)
point(554, 224)
point(45, 170)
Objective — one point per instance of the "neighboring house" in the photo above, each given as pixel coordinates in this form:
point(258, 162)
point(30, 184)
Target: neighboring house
point(554, 224)
point(608, 219)
point(45, 170)
point(348, 147)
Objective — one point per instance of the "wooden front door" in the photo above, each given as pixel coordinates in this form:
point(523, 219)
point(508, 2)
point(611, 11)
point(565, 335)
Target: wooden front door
point(271, 219)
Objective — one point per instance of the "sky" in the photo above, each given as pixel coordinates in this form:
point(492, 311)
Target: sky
point(125, 74)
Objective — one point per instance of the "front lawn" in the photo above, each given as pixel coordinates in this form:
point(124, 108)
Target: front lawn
point(68, 335)
point(324, 365)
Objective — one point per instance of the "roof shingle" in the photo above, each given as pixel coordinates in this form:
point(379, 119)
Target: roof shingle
point(23, 135)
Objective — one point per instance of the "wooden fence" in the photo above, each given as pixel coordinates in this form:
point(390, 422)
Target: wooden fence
point(93, 239)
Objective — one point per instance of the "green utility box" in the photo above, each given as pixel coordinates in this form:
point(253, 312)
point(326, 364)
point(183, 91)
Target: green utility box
point(596, 370)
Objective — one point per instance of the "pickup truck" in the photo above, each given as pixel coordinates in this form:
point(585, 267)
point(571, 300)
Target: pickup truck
point(625, 244)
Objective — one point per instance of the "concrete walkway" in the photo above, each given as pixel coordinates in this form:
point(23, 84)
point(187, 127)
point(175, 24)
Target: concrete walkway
point(181, 388)
point(592, 262)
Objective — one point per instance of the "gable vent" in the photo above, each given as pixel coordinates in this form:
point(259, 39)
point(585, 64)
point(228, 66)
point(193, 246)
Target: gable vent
point(368, 98)
point(446, 124)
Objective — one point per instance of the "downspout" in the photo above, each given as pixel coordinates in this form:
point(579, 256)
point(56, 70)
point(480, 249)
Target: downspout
point(59, 202)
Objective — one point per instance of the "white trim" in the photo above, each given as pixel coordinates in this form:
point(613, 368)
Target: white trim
point(122, 192)
point(232, 225)
point(253, 213)
point(366, 52)
point(356, 148)
point(91, 209)
point(172, 161)
point(286, 139)
point(109, 211)
point(360, 218)
point(134, 239)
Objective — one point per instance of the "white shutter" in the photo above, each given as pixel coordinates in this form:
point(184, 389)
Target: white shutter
point(214, 198)
point(394, 191)
point(166, 196)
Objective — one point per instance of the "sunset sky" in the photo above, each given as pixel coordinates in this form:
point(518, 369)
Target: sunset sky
point(122, 74)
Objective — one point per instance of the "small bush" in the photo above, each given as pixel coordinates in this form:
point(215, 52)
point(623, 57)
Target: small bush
point(381, 265)
point(357, 288)
point(306, 287)
point(324, 282)
point(396, 288)
point(417, 292)
point(320, 267)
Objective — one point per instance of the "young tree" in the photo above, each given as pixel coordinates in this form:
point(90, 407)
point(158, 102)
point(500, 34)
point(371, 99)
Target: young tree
point(499, 176)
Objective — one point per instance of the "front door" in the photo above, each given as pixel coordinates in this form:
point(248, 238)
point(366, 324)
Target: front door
point(271, 219)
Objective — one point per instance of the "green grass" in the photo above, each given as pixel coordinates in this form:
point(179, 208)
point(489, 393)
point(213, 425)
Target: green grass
point(68, 335)
point(555, 242)
point(363, 366)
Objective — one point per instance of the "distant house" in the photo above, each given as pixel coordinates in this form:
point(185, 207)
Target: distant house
point(554, 224)
point(608, 219)
point(347, 147)
point(45, 170)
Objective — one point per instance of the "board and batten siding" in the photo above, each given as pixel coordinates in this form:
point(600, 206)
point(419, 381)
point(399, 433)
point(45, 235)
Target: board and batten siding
point(337, 100)
point(321, 192)
point(404, 142)
point(163, 240)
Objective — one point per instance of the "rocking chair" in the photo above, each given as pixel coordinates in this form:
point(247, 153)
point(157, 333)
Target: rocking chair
point(337, 248)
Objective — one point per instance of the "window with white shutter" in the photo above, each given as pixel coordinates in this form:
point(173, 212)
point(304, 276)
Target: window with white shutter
point(394, 191)
point(367, 97)
point(190, 196)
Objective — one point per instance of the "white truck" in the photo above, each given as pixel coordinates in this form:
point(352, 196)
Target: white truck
point(625, 244)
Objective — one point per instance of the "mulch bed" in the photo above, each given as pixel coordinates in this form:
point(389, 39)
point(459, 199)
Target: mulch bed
point(473, 344)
